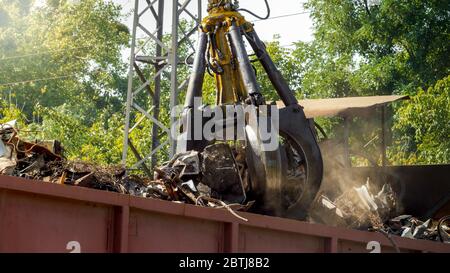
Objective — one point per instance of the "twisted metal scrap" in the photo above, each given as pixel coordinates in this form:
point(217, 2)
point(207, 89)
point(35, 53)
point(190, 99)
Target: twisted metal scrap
point(223, 205)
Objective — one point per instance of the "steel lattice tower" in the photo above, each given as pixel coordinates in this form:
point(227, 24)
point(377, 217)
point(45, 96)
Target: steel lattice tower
point(165, 58)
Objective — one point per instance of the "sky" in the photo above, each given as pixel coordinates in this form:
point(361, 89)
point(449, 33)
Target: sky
point(293, 28)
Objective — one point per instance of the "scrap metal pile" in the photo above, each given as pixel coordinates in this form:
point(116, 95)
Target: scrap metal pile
point(214, 178)
point(358, 207)
point(410, 227)
point(43, 161)
point(204, 179)
point(366, 209)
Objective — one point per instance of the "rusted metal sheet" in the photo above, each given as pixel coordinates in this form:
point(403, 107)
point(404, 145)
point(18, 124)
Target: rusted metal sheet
point(42, 217)
point(343, 106)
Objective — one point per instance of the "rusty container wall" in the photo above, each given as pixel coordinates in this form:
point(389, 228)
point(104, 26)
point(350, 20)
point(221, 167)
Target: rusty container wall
point(41, 217)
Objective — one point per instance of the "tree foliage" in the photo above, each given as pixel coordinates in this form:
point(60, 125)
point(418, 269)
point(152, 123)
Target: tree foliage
point(63, 52)
point(387, 47)
point(392, 47)
point(423, 124)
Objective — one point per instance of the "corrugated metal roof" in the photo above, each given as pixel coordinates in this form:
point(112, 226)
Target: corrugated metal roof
point(343, 106)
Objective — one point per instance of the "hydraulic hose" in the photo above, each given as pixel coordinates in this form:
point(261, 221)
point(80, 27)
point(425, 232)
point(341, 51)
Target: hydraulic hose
point(257, 16)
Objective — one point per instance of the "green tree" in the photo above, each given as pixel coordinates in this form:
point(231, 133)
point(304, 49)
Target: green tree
point(423, 124)
point(62, 53)
point(392, 47)
point(10, 112)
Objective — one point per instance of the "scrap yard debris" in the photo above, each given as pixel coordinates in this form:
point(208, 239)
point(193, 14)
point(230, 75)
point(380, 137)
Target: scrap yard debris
point(215, 178)
point(187, 178)
point(410, 227)
point(357, 207)
point(362, 208)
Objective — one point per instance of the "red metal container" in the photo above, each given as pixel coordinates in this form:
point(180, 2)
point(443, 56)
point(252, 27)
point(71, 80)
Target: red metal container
point(41, 217)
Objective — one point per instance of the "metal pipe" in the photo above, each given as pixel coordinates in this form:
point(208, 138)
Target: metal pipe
point(279, 83)
point(157, 91)
point(247, 73)
point(173, 59)
point(200, 15)
point(130, 85)
point(198, 71)
point(383, 136)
